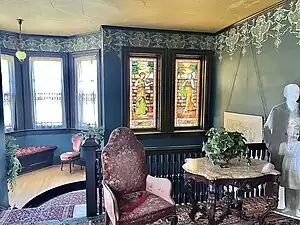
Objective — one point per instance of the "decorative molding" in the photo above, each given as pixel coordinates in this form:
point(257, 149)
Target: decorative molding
point(22, 133)
point(114, 39)
point(9, 40)
point(269, 26)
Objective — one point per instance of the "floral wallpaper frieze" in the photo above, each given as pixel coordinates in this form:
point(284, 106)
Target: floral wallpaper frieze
point(86, 42)
point(254, 33)
point(114, 39)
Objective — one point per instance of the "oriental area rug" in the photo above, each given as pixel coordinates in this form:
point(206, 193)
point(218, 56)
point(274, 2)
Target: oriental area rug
point(60, 211)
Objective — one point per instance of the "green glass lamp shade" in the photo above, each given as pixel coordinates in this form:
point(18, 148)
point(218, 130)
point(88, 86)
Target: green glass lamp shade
point(21, 55)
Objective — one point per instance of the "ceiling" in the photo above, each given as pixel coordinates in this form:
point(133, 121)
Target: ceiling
point(67, 17)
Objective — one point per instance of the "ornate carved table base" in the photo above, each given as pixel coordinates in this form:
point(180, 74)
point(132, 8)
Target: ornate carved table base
point(229, 205)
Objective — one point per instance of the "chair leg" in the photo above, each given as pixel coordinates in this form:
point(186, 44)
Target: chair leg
point(81, 167)
point(70, 167)
point(173, 219)
point(107, 220)
point(62, 166)
point(73, 163)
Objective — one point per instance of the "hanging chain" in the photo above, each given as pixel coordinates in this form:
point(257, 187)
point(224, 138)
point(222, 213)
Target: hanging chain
point(20, 21)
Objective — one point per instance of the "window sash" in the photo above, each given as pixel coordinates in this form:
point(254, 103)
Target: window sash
point(47, 100)
point(9, 92)
point(86, 92)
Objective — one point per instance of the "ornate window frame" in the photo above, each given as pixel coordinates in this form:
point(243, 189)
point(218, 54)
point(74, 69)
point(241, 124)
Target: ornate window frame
point(160, 55)
point(204, 89)
point(166, 92)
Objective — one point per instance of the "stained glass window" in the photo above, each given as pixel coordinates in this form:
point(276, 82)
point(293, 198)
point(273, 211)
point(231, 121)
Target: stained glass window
point(187, 92)
point(143, 75)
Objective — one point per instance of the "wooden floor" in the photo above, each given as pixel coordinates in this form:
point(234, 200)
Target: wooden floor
point(32, 184)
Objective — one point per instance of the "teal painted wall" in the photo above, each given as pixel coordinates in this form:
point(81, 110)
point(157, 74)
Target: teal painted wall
point(263, 55)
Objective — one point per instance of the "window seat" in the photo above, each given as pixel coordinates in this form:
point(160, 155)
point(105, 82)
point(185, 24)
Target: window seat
point(35, 157)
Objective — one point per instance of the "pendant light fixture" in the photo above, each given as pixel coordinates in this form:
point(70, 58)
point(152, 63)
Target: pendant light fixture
point(20, 54)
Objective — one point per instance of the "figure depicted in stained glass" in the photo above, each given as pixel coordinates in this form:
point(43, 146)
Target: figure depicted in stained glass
point(187, 92)
point(141, 107)
point(188, 89)
point(142, 92)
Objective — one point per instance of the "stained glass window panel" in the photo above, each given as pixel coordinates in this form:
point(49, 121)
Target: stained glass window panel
point(187, 87)
point(143, 74)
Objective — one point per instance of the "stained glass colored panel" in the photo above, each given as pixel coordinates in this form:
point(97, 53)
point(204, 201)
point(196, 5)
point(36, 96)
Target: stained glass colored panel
point(187, 87)
point(143, 73)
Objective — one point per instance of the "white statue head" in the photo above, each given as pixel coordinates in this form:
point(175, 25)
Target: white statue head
point(291, 93)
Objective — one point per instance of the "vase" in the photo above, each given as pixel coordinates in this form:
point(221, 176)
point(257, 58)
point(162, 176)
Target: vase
point(221, 162)
point(224, 161)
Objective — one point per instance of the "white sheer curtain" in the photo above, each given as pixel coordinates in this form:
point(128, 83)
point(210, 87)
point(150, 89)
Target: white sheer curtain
point(86, 91)
point(47, 92)
point(8, 89)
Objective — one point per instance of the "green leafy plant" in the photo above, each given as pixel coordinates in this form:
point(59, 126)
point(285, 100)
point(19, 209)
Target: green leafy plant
point(93, 132)
point(13, 165)
point(223, 145)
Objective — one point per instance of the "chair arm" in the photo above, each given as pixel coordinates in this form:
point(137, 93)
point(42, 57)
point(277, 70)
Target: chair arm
point(161, 187)
point(110, 204)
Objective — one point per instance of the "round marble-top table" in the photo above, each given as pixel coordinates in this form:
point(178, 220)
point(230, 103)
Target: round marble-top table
point(236, 170)
point(240, 175)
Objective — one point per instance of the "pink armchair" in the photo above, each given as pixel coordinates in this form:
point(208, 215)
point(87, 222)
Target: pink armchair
point(130, 195)
point(70, 157)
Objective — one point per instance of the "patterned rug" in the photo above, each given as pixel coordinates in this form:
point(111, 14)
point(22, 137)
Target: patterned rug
point(182, 211)
point(59, 211)
point(36, 215)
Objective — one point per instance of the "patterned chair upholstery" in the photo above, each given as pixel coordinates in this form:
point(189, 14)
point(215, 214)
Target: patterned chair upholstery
point(130, 195)
point(70, 157)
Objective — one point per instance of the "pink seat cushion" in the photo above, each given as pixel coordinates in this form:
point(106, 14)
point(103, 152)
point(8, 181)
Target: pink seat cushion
point(142, 207)
point(29, 150)
point(69, 155)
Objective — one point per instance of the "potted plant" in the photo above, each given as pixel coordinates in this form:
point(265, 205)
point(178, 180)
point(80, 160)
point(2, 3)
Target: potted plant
point(93, 132)
point(13, 165)
point(223, 145)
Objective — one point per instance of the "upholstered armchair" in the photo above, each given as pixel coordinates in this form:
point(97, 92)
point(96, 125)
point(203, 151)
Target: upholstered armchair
point(130, 195)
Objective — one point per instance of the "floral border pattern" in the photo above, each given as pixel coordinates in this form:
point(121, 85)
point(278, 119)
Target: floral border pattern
point(114, 39)
point(39, 43)
point(272, 25)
